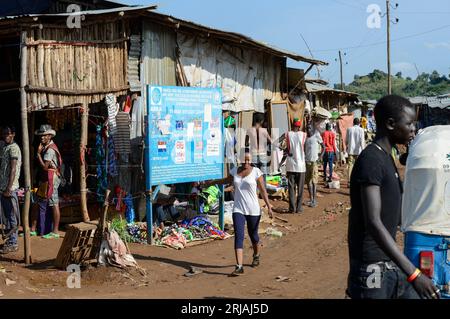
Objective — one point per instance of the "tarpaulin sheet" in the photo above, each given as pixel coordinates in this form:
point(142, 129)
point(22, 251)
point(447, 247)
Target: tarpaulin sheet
point(247, 77)
point(344, 122)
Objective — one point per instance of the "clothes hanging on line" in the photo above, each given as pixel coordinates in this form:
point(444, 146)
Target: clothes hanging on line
point(122, 136)
point(137, 119)
point(113, 109)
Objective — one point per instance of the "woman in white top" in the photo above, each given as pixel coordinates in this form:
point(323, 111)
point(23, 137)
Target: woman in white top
point(246, 180)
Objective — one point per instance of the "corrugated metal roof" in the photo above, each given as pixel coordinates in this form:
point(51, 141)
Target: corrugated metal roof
point(231, 36)
point(89, 12)
point(235, 37)
point(312, 87)
point(441, 101)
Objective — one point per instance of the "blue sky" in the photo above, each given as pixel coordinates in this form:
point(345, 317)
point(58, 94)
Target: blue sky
point(420, 39)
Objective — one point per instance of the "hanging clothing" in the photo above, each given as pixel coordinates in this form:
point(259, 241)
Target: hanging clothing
point(100, 157)
point(137, 119)
point(230, 142)
point(112, 161)
point(122, 137)
point(113, 109)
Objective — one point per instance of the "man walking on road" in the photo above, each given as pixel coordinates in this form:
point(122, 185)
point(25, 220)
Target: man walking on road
point(296, 166)
point(355, 145)
point(312, 144)
point(329, 141)
point(378, 268)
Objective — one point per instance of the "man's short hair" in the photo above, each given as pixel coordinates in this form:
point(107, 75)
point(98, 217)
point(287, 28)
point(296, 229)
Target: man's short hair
point(258, 118)
point(328, 126)
point(356, 121)
point(9, 128)
point(390, 106)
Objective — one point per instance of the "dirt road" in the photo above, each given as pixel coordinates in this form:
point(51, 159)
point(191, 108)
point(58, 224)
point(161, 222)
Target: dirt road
point(309, 261)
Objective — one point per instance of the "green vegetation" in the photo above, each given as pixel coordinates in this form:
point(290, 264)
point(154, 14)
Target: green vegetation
point(373, 86)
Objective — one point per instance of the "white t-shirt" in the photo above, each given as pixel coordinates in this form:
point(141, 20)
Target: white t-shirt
point(312, 147)
point(355, 140)
point(245, 195)
point(296, 162)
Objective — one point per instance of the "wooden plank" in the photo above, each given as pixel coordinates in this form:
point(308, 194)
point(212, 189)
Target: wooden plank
point(43, 89)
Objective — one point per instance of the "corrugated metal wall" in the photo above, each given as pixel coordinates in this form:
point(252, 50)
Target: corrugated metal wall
point(158, 54)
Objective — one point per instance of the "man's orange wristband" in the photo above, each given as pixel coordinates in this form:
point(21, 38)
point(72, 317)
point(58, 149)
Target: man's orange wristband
point(414, 275)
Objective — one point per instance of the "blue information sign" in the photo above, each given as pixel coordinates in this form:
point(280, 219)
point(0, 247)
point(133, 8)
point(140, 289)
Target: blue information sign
point(186, 129)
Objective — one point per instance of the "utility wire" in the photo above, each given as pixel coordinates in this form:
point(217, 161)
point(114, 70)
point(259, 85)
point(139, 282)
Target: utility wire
point(383, 42)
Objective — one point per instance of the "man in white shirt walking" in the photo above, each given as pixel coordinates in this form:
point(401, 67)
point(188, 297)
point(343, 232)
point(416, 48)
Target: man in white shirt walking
point(296, 166)
point(355, 144)
point(312, 150)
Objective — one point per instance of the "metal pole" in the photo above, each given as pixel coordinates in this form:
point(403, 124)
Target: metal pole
point(388, 47)
point(148, 184)
point(221, 188)
point(26, 147)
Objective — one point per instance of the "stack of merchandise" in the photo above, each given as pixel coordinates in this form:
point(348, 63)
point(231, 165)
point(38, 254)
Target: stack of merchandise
point(209, 200)
point(199, 228)
point(275, 183)
point(138, 232)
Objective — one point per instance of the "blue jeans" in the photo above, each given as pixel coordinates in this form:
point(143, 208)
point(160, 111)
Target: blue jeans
point(383, 280)
point(11, 211)
point(239, 229)
point(45, 224)
point(328, 158)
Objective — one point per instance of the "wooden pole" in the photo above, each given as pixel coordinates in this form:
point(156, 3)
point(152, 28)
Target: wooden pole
point(388, 47)
point(25, 146)
point(105, 211)
point(83, 143)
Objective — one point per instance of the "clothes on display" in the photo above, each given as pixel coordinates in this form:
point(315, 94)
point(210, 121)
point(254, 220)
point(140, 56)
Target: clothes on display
point(137, 119)
point(129, 212)
point(122, 136)
point(113, 109)
point(102, 174)
point(177, 235)
point(112, 161)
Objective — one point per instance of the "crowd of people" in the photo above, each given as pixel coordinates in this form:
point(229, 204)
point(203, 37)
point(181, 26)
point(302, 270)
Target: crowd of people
point(375, 194)
point(374, 182)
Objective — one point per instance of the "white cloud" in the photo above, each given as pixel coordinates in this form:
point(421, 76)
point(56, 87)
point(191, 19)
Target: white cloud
point(436, 45)
point(403, 67)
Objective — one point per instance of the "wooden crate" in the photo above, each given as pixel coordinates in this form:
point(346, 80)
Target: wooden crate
point(77, 244)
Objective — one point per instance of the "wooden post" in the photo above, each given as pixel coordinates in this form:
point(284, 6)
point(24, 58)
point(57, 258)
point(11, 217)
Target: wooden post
point(388, 36)
point(26, 147)
point(83, 143)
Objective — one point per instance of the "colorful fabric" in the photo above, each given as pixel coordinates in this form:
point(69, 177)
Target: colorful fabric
point(112, 161)
point(229, 121)
point(102, 177)
point(129, 212)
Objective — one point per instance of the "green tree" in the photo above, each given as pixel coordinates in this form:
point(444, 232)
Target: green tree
point(374, 85)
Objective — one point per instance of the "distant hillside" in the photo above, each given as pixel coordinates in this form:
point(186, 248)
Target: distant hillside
point(373, 86)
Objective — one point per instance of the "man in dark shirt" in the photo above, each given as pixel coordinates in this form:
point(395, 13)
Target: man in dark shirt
point(378, 268)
